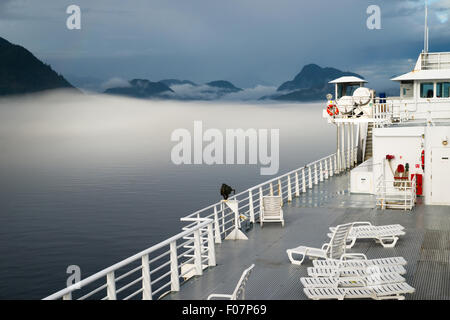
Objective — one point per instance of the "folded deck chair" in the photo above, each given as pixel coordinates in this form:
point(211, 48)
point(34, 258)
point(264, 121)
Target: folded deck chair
point(239, 291)
point(378, 292)
point(271, 210)
point(387, 235)
point(358, 281)
point(341, 272)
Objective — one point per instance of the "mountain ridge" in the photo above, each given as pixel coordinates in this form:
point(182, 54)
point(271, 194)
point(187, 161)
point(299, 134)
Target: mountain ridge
point(311, 83)
point(140, 88)
point(21, 72)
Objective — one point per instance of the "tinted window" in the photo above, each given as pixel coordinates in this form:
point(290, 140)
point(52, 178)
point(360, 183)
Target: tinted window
point(427, 90)
point(351, 89)
point(442, 89)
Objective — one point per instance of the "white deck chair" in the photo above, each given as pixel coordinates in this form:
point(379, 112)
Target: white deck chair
point(334, 249)
point(387, 235)
point(239, 291)
point(378, 292)
point(271, 210)
point(350, 282)
point(360, 262)
point(335, 255)
point(341, 272)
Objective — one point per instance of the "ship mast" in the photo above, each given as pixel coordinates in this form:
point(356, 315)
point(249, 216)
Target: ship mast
point(425, 50)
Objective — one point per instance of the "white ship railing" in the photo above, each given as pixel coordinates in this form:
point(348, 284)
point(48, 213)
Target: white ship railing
point(397, 110)
point(163, 267)
point(435, 61)
point(151, 271)
point(396, 194)
point(288, 186)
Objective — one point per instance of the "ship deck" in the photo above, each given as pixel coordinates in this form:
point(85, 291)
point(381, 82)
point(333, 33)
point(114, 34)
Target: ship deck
point(426, 246)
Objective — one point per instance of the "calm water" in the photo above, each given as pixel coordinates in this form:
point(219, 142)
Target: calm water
point(89, 180)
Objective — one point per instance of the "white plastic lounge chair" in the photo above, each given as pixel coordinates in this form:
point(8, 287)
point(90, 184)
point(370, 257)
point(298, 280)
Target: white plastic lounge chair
point(353, 271)
point(359, 281)
point(378, 292)
point(335, 255)
point(334, 249)
point(239, 291)
point(360, 262)
point(271, 210)
point(387, 235)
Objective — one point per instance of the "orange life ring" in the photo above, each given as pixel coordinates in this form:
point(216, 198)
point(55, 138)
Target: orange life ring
point(332, 110)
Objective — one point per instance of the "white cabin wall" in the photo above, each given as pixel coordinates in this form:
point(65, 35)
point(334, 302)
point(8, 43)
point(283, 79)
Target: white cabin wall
point(404, 143)
point(434, 137)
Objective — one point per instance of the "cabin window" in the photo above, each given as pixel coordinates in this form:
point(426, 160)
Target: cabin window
point(407, 89)
point(442, 89)
point(340, 91)
point(347, 89)
point(427, 90)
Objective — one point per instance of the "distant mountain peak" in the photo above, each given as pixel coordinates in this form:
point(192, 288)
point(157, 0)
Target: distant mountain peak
point(223, 85)
point(21, 72)
point(311, 83)
point(140, 88)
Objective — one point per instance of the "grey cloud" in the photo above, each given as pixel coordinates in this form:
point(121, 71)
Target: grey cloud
point(247, 42)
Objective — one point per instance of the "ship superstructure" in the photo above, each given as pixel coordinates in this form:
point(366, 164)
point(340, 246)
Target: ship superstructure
point(401, 141)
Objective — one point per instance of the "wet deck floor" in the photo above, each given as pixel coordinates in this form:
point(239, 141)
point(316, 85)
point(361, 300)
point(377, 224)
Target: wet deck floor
point(426, 246)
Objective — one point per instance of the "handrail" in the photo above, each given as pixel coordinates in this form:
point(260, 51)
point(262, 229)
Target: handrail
point(397, 110)
point(203, 231)
point(401, 196)
point(114, 267)
point(287, 185)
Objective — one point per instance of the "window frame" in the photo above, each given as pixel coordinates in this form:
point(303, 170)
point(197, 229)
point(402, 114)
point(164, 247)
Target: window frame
point(420, 89)
point(443, 89)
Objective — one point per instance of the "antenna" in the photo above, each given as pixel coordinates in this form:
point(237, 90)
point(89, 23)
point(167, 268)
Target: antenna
point(425, 45)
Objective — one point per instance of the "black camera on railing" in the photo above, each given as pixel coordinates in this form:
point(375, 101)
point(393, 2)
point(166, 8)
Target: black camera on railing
point(226, 190)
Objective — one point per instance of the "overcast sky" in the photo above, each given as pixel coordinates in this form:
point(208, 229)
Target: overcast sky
point(248, 42)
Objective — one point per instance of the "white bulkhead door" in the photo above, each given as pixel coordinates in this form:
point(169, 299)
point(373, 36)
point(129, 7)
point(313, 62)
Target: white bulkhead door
point(440, 179)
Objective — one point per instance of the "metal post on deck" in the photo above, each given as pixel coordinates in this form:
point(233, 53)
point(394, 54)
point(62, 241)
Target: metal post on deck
point(336, 169)
point(111, 286)
point(260, 201)
point(356, 144)
point(331, 166)
point(250, 206)
point(289, 188)
point(321, 171)
point(174, 276)
point(303, 180)
point(146, 282)
point(211, 248)
point(310, 177)
point(344, 162)
point(197, 253)
point(218, 238)
point(326, 168)
point(222, 209)
point(352, 141)
point(349, 145)
point(271, 189)
point(236, 233)
point(297, 187)
point(316, 180)
point(338, 145)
